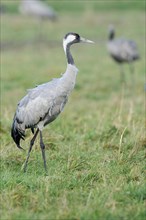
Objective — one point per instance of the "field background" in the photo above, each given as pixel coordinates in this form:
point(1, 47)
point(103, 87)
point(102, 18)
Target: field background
point(95, 149)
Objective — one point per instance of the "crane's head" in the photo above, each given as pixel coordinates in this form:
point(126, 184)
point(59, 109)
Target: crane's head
point(72, 38)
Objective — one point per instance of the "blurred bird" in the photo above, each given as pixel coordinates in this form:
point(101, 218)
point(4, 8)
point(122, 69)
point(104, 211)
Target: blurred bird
point(3, 8)
point(44, 103)
point(122, 51)
point(37, 9)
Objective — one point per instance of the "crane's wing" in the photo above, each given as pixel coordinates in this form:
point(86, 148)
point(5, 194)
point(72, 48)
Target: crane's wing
point(40, 101)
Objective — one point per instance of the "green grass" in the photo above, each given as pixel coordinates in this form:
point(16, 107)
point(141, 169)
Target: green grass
point(95, 149)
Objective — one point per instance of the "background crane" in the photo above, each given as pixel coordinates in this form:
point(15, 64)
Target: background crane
point(122, 51)
point(43, 104)
point(37, 9)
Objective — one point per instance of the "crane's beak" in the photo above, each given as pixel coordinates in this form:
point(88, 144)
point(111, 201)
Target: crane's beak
point(83, 40)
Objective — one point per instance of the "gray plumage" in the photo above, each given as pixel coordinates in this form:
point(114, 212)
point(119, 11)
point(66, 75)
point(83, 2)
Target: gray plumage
point(37, 8)
point(122, 50)
point(44, 103)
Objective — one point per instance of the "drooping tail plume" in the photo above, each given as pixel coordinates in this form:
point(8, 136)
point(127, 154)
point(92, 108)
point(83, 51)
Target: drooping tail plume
point(16, 133)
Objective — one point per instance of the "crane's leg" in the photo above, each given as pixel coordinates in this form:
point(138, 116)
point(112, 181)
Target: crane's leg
point(43, 150)
point(30, 148)
point(122, 74)
point(131, 66)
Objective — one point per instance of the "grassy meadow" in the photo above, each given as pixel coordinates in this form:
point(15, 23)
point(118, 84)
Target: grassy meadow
point(95, 149)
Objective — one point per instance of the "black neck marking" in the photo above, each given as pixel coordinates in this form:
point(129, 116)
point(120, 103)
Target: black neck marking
point(69, 57)
point(111, 35)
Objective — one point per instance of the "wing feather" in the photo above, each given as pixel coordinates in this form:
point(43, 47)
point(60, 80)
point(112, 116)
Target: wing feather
point(39, 101)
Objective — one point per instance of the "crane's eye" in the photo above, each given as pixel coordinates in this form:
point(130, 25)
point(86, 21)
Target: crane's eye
point(77, 36)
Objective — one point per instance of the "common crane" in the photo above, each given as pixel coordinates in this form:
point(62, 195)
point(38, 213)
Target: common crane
point(122, 51)
point(37, 9)
point(44, 103)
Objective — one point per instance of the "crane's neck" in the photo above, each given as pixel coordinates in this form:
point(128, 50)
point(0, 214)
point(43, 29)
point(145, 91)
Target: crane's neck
point(111, 35)
point(69, 77)
point(68, 54)
point(69, 57)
